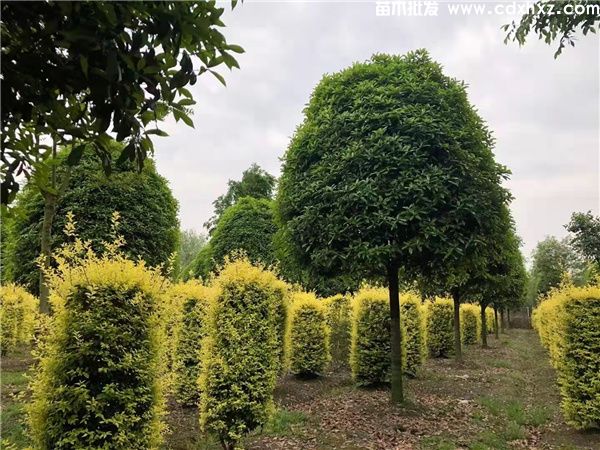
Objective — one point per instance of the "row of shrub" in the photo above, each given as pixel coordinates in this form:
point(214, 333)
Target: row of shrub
point(18, 314)
point(122, 337)
point(568, 323)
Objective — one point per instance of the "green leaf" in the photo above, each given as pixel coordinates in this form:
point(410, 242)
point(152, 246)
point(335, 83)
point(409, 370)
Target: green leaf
point(219, 77)
point(83, 62)
point(157, 132)
point(235, 48)
point(76, 154)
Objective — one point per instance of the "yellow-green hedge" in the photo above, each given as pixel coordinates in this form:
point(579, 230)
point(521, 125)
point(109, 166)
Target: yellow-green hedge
point(470, 323)
point(18, 314)
point(568, 323)
point(413, 321)
point(194, 299)
point(99, 381)
point(370, 353)
point(239, 354)
point(440, 327)
point(307, 338)
point(338, 310)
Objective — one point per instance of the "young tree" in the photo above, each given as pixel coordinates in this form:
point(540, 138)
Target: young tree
point(190, 244)
point(391, 169)
point(74, 71)
point(549, 19)
point(551, 259)
point(144, 200)
point(255, 183)
point(586, 235)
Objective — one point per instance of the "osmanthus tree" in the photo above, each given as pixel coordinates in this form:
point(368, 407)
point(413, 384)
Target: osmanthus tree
point(247, 226)
point(75, 71)
point(504, 280)
point(391, 170)
point(255, 182)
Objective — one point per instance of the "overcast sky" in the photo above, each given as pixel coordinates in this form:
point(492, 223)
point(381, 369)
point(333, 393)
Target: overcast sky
point(544, 112)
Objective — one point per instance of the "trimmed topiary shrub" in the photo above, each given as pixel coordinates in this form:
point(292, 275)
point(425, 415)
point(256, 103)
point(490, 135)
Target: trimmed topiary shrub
point(470, 323)
point(239, 357)
point(440, 327)
point(569, 326)
point(338, 310)
point(193, 298)
point(413, 316)
point(144, 200)
point(370, 346)
point(99, 381)
point(307, 337)
point(18, 314)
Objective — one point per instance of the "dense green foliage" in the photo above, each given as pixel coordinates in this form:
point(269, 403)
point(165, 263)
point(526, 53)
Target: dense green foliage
point(144, 200)
point(556, 19)
point(307, 338)
point(18, 313)
point(569, 326)
point(193, 299)
point(370, 344)
point(440, 327)
point(239, 357)
point(551, 259)
point(75, 71)
point(470, 323)
point(339, 315)
point(248, 226)
point(414, 325)
point(586, 235)
point(99, 381)
point(391, 169)
point(255, 183)
point(202, 265)
point(190, 244)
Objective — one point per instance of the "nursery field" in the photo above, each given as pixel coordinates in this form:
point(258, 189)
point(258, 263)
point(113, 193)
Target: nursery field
point(503, 397)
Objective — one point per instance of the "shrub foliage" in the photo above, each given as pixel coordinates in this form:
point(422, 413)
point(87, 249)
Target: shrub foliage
point(413, 315)
point(470, 323)
point(440, 327)
point(18, 313)
point(338, 310)
point(98, 384)
point(568, 323)
point(239, 358)
point(193, 299)
point(370, 348)
point(307, 338)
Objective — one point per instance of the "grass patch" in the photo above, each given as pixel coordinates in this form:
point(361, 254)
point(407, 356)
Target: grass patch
point(13, 378)
point(500, 363)
point(437, 443)
point(493, 405)
point(13, 426)
point(285, 423)
point(513, 431)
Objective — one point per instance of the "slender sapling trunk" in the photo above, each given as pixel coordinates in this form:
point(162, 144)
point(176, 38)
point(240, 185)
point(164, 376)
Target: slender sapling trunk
point(457, 340)
point(484, 343)
point(496, 322)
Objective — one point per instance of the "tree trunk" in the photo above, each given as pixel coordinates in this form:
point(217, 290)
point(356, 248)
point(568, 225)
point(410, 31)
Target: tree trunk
point(496, 322)
point(457, 340)
point(50, 201)
point(483, 327)
point(508, 319)
point(502, 318)
point(395, 335)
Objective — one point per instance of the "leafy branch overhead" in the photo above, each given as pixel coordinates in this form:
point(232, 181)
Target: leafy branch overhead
point(79, 72)
point(552, 20)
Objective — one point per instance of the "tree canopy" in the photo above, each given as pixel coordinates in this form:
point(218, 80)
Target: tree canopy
point(75, 71)
point(585, 228)
point(392, 168)
point(255, 182)
point(144, 200)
